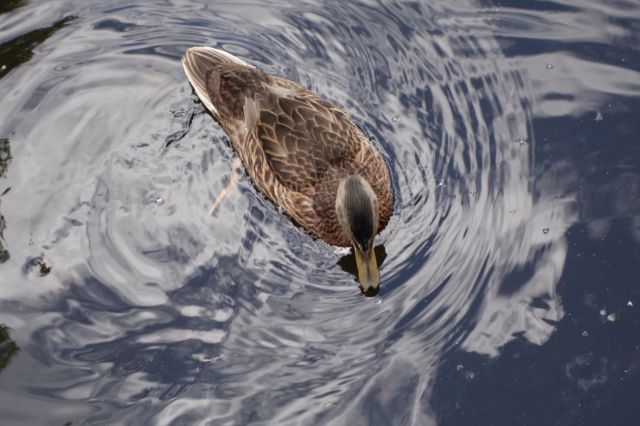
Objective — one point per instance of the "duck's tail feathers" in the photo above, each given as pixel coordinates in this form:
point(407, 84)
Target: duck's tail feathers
point(197, 61)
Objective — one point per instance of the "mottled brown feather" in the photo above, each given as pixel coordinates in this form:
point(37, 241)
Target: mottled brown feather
point(295, 146)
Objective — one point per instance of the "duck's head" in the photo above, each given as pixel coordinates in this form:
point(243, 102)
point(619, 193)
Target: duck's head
point(357, 210)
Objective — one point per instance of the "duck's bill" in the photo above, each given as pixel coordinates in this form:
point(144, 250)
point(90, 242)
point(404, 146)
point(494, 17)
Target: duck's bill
point(368, 274)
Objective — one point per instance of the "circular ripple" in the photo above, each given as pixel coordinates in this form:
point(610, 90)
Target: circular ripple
point(170, 314)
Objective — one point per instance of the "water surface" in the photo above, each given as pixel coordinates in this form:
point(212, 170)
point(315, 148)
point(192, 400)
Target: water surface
point(510, 291)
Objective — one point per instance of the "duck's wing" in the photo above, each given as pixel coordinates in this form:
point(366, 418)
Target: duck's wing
point(300, 134)
point(303, 137)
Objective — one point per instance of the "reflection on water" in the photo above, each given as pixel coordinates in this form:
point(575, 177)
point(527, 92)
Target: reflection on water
point(5, 156)
point(5, 159)
point(9, 5)
point(8, 348)
point(4, 253)
point(132, 305)
point(19, 50)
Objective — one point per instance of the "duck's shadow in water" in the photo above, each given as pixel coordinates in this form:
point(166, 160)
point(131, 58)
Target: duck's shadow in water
point(348, 264)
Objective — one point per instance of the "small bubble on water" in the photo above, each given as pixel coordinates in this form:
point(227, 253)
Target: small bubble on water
point(159, 200)
point(612, 317)
point(394, 118)
point(599, 116)
point(522, 140)
point(585, 333)
point(549, 66)
point(630, 303)
point(603, 312)
point(545, 230)
point(459, 367)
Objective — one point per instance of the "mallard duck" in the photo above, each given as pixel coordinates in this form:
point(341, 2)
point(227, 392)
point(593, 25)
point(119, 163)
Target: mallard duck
point(301, 151)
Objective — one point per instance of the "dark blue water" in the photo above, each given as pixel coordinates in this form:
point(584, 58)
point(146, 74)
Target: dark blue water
point(510, 290)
